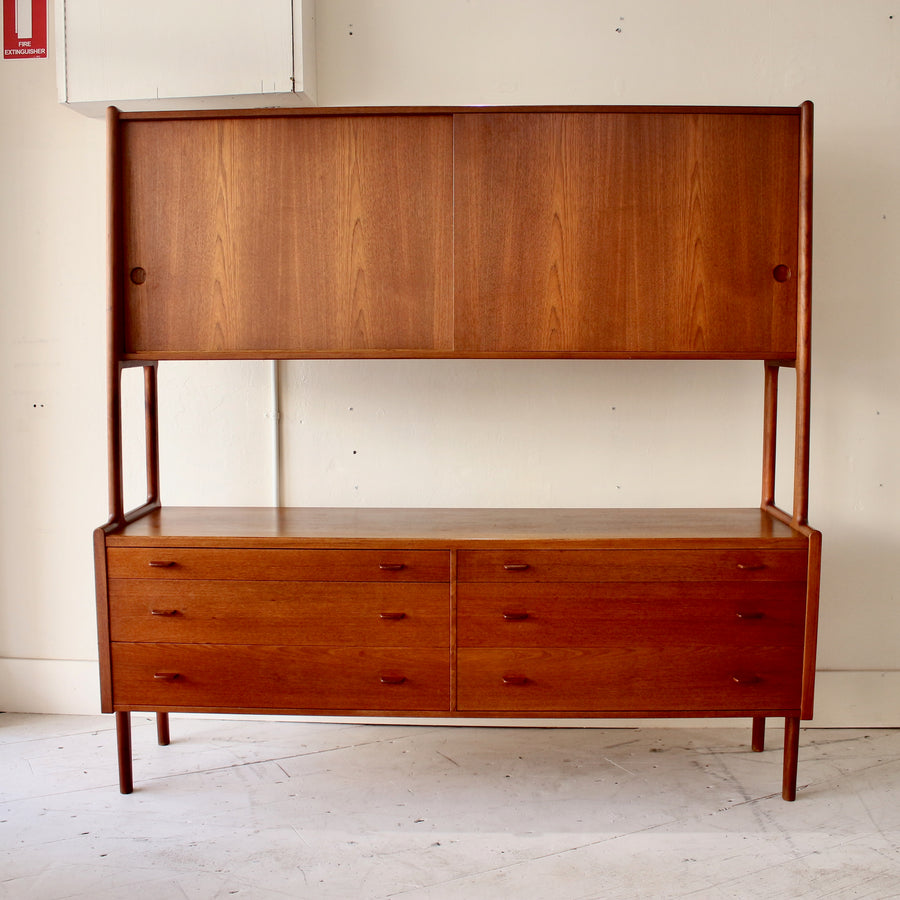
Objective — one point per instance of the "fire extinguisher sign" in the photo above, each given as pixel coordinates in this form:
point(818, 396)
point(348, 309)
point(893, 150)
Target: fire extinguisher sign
point(24, 29)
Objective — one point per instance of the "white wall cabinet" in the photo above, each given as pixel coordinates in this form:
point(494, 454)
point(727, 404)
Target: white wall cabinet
point(171, 54)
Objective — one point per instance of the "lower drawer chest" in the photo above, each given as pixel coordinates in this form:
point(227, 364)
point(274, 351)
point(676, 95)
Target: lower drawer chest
point(459, 614)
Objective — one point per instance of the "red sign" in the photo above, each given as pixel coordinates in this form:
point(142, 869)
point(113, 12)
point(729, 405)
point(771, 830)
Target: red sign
point(24, 29)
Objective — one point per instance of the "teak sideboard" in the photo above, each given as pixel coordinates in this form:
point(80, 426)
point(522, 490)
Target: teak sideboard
point(564, 232)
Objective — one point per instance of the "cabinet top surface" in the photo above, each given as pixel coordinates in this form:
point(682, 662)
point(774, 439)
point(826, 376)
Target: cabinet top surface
point(291, 112)
point(454, 528)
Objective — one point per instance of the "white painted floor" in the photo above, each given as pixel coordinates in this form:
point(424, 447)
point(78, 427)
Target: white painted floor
point(262, 809)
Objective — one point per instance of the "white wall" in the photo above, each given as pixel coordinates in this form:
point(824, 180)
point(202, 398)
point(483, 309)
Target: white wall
point(478, 433)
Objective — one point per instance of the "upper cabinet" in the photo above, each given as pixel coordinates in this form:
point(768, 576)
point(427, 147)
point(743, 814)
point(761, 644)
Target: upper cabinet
point(559, 232)
point(168, 54)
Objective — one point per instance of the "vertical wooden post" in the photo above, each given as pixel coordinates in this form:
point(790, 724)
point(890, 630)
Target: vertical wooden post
point(114, 317)
point(804, 330)
point(770, 428)
point(114, 442)
point(151, 431)
point(801, 434)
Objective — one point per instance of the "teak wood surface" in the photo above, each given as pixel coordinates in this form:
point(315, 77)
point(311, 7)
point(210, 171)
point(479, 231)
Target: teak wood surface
point(625, 232)
point(173, 676)
point(276, 564)
point(310, 613)
point(459, 233)
point(304, 233)
point(655, 232)
point(352, 527)
point(694, 677)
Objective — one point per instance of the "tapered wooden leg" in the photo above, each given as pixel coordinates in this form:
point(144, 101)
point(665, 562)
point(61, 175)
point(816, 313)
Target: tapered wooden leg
point(758, 738)
point(123, 742)
point(162, 729)
point(791, 753)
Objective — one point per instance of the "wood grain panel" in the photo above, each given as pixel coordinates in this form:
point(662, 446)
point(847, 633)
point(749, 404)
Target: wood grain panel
point(688, 678)
point(279, 565)
point(526, 565)
point(356, 614)
point(709, 529)
point(631, 614)
point(279, 677)
point(642, 233)
point(288, 234)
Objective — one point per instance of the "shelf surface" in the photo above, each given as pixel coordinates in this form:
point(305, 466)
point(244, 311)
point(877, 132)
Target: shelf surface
point(454, 528)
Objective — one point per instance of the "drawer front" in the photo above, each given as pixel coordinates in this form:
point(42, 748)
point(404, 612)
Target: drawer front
point(540, 614)
point(211, 676)
point(279, 565)
point(635, 679)
point(631, 565)
point(356, 613)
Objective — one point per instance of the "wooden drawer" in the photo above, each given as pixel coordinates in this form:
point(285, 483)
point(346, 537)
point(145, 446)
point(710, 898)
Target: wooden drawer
point(752, 564)
point(279, 565)
point(542, 614)
point(357, 614)
point(628, 679)
point(267, 677)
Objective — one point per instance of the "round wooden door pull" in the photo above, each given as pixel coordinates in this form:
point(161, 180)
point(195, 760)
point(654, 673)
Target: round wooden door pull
point(781, 273)
point(138, 275)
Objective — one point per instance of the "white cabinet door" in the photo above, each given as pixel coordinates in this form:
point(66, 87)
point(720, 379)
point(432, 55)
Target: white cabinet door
point(145, 54)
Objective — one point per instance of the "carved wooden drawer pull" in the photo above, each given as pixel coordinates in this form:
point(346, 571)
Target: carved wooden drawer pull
point(515, 616)
point(516, 567)
point(515, 679)
point(392, 616)
point(391, 567)
point(164, 612)
point(747, 679)
point(393, 679)
point(166, 676)
point(161, 563)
